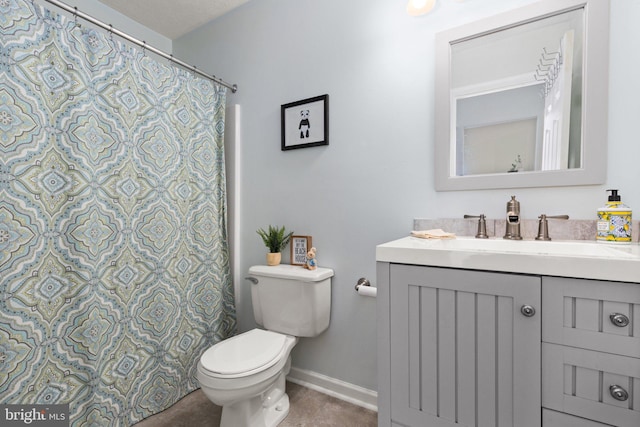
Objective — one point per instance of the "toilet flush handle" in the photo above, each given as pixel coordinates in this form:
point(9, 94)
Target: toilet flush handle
point(252, 280)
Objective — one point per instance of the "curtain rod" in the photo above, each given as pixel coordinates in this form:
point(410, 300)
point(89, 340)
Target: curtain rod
point(143, 44)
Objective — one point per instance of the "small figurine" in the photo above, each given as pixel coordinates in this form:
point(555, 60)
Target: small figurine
point(311, 263)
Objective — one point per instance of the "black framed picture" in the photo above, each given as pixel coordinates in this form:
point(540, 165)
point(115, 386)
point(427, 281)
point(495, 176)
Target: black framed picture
point(305, 123)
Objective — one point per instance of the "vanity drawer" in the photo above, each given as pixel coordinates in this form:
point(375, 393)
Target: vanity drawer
point(558, 419)
point(579, 313)
point(578, 382)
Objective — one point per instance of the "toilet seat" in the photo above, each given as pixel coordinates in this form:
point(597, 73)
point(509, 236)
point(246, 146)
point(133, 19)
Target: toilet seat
point(246, 354)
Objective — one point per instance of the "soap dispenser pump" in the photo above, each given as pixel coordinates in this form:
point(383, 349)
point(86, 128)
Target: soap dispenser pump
point(512, 231)
point(614, 221)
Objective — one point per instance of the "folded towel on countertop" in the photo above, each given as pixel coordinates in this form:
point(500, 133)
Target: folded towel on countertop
point(435, 233)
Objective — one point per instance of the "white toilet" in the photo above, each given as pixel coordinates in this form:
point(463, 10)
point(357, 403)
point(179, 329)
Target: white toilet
point(246, 374)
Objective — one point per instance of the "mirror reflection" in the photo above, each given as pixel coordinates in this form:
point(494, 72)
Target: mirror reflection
point(516, 98)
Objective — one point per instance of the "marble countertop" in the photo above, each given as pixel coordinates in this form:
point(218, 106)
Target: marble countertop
point(569, 258)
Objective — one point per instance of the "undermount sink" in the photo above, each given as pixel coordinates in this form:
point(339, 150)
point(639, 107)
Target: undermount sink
point(573, 248)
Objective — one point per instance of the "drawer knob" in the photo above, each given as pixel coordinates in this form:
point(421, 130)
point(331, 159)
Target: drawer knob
point(527, 310)
point(618, 393)
point(619, 319)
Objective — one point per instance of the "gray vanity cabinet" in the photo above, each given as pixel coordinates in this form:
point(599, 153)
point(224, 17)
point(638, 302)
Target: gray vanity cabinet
point(458, 347)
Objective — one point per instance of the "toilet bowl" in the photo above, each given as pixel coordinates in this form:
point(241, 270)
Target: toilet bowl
point(246, 374)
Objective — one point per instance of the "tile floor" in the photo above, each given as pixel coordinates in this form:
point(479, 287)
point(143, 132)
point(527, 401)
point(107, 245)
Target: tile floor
point(309, 408)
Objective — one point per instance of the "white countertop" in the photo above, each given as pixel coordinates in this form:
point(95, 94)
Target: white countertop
point(576, 258)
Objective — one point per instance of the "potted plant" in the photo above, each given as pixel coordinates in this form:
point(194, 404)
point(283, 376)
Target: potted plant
point(275, 239)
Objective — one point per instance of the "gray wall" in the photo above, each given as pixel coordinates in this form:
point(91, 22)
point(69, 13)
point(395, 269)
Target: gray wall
point(377, 65)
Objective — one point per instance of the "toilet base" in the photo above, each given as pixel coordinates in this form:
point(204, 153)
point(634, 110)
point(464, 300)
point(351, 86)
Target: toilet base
point(252, 413)
point(265, 410)
point(275, 414)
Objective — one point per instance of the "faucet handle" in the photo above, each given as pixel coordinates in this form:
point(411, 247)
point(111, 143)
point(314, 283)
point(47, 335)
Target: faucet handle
point(482, 226)
point(543, 226)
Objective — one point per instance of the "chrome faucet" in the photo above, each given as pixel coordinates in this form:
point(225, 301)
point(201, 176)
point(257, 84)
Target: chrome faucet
point(512, 231)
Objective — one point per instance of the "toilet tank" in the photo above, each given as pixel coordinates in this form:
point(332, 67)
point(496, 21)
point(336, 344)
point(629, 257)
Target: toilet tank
point(290, 299)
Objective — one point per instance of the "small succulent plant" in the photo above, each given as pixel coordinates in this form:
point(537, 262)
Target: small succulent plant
point(275, 238)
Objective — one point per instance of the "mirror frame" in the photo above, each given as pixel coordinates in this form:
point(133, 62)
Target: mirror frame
point(595, 90)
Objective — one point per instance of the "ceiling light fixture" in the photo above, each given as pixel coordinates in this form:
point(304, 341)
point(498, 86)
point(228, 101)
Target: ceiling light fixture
point(420, 7)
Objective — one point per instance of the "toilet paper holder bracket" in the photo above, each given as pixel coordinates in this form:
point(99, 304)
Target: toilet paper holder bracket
point(362, 282)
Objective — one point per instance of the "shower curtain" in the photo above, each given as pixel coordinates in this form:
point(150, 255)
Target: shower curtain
point(114, 270)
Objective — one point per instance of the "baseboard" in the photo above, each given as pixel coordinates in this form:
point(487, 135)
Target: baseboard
point(339, 389)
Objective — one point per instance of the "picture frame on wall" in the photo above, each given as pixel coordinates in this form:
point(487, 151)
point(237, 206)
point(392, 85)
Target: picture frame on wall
point(305, 123)
point(299, 245)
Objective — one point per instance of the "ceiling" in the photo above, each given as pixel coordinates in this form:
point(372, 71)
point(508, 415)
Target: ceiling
point(173, 18)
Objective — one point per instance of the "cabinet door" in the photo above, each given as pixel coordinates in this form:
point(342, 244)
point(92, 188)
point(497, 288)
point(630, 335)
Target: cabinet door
point(462, 353)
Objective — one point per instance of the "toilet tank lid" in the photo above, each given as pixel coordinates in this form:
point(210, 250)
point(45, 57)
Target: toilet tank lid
point(295, 272)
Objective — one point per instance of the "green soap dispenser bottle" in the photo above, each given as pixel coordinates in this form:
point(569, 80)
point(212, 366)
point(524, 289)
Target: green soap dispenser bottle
point(614, 221)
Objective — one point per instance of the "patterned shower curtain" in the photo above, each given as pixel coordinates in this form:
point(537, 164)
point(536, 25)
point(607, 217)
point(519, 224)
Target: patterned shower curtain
point(114, 273)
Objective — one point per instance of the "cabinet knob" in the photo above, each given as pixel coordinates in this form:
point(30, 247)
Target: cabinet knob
point(527, 310)
point(619, 319)
point(618, 393)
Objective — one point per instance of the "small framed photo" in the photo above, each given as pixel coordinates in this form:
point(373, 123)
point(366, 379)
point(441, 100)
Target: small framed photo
point(305, 123)
point(300, 245)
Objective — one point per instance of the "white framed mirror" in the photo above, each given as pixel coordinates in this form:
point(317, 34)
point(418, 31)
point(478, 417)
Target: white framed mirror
point(521, 98)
